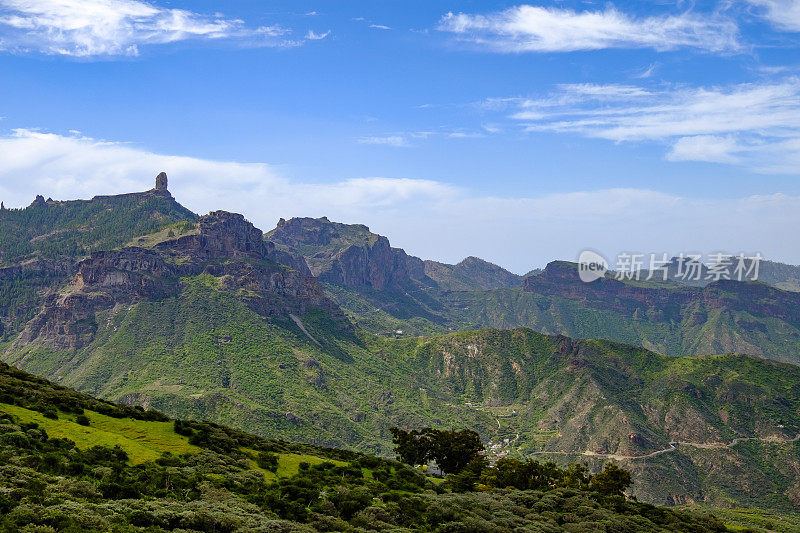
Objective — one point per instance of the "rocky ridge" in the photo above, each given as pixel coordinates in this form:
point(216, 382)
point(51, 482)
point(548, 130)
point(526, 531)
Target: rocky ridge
point(348, 255)
point(227, 247)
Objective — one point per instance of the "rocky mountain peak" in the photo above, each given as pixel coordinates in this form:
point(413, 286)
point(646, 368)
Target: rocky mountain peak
point(314, 231)
point(221, 235)
point(347, 254)
point(161, 182)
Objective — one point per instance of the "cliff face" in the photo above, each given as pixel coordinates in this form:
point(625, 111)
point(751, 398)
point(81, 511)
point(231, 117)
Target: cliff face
point(661, 304)
point(227, 247)
point(348, 255)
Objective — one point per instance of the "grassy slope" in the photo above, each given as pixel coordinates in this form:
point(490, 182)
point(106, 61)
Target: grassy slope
point(203, 355)
point(68, 483)
point(143, 440)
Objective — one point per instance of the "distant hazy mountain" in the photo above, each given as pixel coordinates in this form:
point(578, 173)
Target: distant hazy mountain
point(383, 289)
point(471, 274)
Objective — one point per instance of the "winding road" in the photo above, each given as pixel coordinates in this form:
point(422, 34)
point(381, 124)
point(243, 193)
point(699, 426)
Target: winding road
point(672, 447)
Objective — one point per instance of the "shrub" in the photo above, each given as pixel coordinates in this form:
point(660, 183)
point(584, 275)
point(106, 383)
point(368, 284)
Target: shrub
point(268, 461)
point(82, 420)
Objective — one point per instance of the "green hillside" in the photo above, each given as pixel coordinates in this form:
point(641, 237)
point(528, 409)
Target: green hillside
point(207, 320)
point(40, 244)
point(55, 229)
point(204, 355)
point(73, 463)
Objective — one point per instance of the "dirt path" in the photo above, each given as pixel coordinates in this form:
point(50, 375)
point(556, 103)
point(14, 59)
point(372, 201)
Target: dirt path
point(672, 447)
point(303, 329)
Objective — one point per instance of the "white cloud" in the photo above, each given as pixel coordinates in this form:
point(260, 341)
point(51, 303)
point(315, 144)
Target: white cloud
point(751, 124)
point(379, 27)
point(428, 218)
point(68, 166)
point(312, 36)
point(388, 140)
point(87, 28)
point(529, 28)
point(466, 135)
point(783, 14)
point(710, 148)
point(646, 73)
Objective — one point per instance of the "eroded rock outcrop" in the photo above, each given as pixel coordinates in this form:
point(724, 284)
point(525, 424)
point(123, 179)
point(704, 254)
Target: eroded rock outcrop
point(348, 254)
point(687, 303)
point(227, 247)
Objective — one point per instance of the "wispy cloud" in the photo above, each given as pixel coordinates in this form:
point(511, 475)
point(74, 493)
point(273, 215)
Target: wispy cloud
point(380, 27)
point(406, 139)
point(429, 218)
point(753, 124)
point(783, 14)
point(89, 28)
point(709, 148)
point(646, 73)
point(529, 28)
point(313, 36)
point(388, 140)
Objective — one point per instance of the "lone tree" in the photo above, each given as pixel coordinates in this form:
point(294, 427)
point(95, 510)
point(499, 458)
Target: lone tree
point(612, 481)
point(451, 450)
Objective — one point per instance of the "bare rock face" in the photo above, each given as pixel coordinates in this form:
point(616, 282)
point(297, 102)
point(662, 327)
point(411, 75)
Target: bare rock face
point(104, 280)
point(688, 303)
point(161, 182)
point(348, 254)
point(227, 247)
point(222, 234)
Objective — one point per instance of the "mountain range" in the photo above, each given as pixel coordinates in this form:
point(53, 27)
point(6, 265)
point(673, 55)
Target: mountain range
point(324, 333)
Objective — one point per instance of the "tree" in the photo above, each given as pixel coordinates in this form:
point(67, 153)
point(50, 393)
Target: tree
point(453, 450)
point(413, 447)
point(613, 480)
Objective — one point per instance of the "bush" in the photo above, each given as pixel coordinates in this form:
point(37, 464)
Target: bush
point(267, 461)
point(82, 420)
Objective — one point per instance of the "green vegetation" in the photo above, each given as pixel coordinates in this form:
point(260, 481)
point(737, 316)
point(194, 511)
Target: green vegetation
point(166, 233)
point(39, 244)
point(452, 450)
point(142, 440)
point(751, 519)
point(213, 484)
point(75, 228)
point(204, 355)
point(711, 429)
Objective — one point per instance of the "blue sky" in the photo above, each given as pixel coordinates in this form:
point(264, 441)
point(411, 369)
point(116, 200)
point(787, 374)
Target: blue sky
point(517, 132)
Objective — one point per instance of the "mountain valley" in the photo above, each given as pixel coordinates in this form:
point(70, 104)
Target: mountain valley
point(323, 333)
